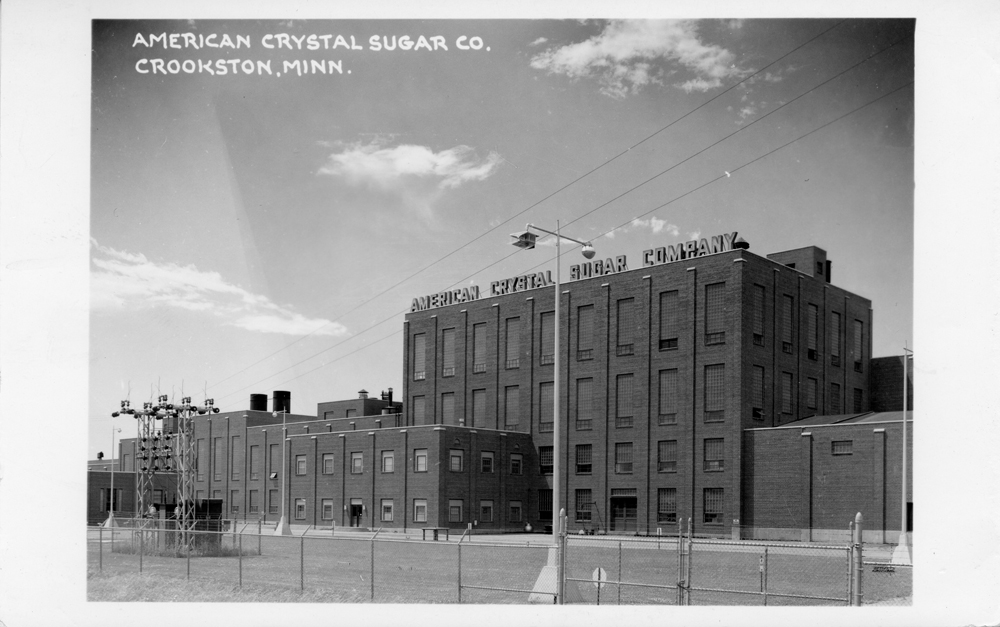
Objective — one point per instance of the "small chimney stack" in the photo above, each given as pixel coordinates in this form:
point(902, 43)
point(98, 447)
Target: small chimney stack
point(363, 394)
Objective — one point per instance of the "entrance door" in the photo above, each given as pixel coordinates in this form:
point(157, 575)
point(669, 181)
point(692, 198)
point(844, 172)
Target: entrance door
point(624, 513)
point(356, 512)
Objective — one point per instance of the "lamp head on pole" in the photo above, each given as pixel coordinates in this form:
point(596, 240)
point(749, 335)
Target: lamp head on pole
point(524, 239)
point(588, 251)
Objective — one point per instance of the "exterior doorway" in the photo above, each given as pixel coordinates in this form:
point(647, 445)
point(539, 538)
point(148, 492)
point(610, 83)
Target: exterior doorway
point(624, 513)
point(356, 511)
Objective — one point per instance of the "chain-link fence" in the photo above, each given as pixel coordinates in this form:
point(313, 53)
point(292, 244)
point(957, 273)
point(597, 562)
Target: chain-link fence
point(356, 567)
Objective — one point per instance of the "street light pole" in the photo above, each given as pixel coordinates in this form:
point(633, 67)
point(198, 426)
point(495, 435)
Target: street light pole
point(902, 554)
point(283, 529)
point(111, 510)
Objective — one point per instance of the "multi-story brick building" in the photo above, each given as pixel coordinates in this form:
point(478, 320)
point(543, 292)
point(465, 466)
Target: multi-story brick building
point(665, 370)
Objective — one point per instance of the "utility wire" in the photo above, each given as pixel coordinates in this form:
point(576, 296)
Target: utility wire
point(535, 204)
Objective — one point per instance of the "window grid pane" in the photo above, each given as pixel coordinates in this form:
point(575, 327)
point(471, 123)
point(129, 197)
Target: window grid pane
point(585, 332)
point(623, 457)
point(545, 458)
point(757, 393)
point(666, 505)
point(859, 405)
point(478, 408)
point(626, 322)
point(714, 454)
point(548, 341)
point(668, 319)
point(786, 392)
point(835, 337)
point(668, 396)
point(625, 400)
point(787, 321)
point(448, 409)
point(835, 398)
point(512, 407)
point(758, 310)
point(666, 460)
point(714, 503)
point(811, 386)
point(584, 403)
point(513, 342)
point(479, 347)
point(583, 500)
point(419, 411)
point(715, 392)
point(419, 357)
point(448, 350)
point(584, 458)
point(858, 344)
point(545, 415)
point(812, 328)
point(715, 313)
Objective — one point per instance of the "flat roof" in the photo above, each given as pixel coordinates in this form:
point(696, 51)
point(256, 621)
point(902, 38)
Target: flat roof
point(843, 419)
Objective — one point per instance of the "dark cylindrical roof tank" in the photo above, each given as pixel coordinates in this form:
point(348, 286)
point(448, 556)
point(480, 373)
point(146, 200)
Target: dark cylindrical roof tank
point(258, 402)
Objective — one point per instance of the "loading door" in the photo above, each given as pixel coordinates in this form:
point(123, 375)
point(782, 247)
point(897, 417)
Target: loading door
point(624, 513)
point(357, 510)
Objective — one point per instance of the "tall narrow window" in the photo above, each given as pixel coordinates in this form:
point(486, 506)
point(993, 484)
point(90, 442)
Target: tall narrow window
point(757, 393)
point(420, 460)
point(545, 505)
point(236, 455)
point(545, 460)
point(548, 339)
point(545, 415)
point(666, 456)
point(327, 463)
point(715, 313)
point(419, 510)
point(668, 397)
point(666, 505)
point(448, 409)
point(786, 393)
point(584, 459)
point(583, 501)
point(714, 505)
point(448, 353)
point(835, 338)
point(478, 409)
point(715, 455)
point(623, 458)
point(254, 501)
point(388, 461)
point(811, 388)
point(455, 507)
point(584, 404)
point(513, 342)
point(859, 398)
point(626, 326)
point(419, 410)
point(273, 461)
point(758, 315)
point(357, 463)
point(812, 332)
point(835, 398)
point(419, 357)
point(625, 400)
point(787, 322)
point(479, 347)
point(300, 509)
point(201, 461)
point(486, 462)
point(715, 392)
point(218, 461)
point(585, 332)
point(273, 504)
point(859, 329)
point(300, 465)
point(485, 511)
point(512, 407)
point(255, 461)
point(327, 508)
point(668, 320)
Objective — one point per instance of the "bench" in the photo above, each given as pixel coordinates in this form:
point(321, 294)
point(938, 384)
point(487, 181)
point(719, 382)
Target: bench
point(436, 530)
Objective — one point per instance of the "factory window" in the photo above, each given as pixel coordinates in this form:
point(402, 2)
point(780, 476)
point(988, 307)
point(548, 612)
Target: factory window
point(327, 463)
point(786, 392)
point(584, 404)
point(448, 353)
point(714, 505)
point(787, 322)
point(859, 328)
point(842, 447)
point(859, 405)
point(835, 338)
point(545, 505)
point(626, 327)
point(585, 332)
point(419, 410)
point(623, 458)
point(668, 397)
point(715, 393)
point(160, 497)
point(548, 339)
point(234, 501)
point(715, 455)
point(448, 409)
point(812, 332)
point(237, 457)
point(274, 460)
point(516, 463)
point(300, 464)
point(419, 510)
point(583, 501)
point(420, 460)
point(455, 507)
point(512, 407)
point(666, 456)
point(419, 357)
point(254, 461)
point(218, 459)
point(486, 462)
point(254, 501)
point(216, 494)
point(357, 462)
point(126, 463)
point(300, 509)
point(584, 459)
point(201, 461)
point(715, 314)
point(545, 406)
point(757, 393)
point(625, 400)
point(388, 461)
point(835, 398)
point(478, 409)
point(515, 512)
point(513, 343)
point(758, 315)
point(327, 509)
point(669, 302)
point(479, 347)
point(811, 389)
point(485, 511)
point(544, 460)
point(273, 504)
point(386, 510)
point(456, 460)
point(666, 505)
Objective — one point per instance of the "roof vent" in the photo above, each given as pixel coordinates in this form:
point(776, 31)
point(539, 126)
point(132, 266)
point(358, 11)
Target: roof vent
point(363, 394)
point(741, 243)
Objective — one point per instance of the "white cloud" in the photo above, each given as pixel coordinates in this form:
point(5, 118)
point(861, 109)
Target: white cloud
point(654, 224)
point(538, 42)
point(694, 235)
point(121, 280)
point(388, 168)
point(621, 57)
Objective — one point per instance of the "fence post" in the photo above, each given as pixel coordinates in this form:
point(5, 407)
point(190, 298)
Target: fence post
point(459, 545)
point(687, 566)
point(259, 550)
point(858, 565)
point(764, 576)
point(189, 536)
point(561, 560)
point(372, 573)
point(302, 563)
point(239, 549)
point(100, 548)
point(142, 547)
point(619, 584)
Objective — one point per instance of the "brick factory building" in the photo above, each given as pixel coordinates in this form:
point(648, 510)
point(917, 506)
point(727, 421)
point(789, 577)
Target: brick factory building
point(681, 382)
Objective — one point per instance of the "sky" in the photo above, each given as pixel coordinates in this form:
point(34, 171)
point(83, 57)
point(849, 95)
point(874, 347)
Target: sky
point(264, 230)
